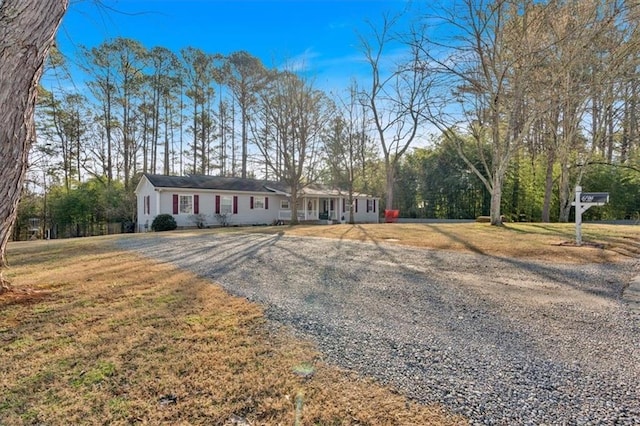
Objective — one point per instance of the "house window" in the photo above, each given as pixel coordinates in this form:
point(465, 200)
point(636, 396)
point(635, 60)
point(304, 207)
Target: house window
point(226, 205)
point(284, 205)
point(186, 204)
point(369, 205)
point(258, 203)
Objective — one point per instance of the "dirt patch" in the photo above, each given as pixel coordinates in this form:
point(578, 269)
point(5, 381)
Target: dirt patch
point(574, 244)
point(22, 296)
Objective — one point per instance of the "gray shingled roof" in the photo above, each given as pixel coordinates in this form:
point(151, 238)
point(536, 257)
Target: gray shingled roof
point(213, 182)
point(236, 184)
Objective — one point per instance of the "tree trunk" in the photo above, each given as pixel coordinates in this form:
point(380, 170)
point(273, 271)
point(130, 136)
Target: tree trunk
point(107, 130)
point(548, 188)
point(565, 193)
point(390, 183)
point(27, 30)
point(245, 143)
point(294, 206)
point(496, 200)
point(167, 121)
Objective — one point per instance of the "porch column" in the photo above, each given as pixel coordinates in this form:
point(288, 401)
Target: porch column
point(304, 208)
point(334, 211)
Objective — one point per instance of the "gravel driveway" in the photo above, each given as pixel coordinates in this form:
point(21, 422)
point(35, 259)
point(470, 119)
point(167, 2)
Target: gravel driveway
point(502, 341)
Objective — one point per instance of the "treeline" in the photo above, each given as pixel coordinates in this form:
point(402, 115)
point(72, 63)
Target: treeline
point(517, 101)
point(90, 208)
point(436, 183)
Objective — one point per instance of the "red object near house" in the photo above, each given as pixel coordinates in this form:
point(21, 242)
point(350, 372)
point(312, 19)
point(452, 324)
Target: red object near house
point(391, 216)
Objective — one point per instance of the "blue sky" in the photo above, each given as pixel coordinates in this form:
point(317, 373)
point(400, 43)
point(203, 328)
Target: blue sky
point(320, 37)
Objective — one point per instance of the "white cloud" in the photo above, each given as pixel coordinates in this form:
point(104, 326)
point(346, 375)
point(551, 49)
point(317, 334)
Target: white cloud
point(300, 63)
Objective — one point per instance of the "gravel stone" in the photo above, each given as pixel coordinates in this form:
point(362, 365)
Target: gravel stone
point(497, 339)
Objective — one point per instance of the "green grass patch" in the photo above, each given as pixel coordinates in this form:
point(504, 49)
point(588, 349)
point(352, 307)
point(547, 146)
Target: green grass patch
point(100, 372)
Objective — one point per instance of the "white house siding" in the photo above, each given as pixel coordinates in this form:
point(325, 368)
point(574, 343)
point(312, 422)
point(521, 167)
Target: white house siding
point(145, 216)
point(361, 215)
point(370, 214)
point(256, 216)
point(207, 207)
point(160, 201)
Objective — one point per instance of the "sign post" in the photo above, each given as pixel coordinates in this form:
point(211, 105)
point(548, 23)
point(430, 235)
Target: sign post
point(578, 216)
point(583, 201)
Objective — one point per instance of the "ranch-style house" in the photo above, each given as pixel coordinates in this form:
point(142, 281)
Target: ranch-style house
point(199, 200)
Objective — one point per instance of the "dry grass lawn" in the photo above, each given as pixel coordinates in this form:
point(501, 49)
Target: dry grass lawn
point(106, 337)
point(542, 241)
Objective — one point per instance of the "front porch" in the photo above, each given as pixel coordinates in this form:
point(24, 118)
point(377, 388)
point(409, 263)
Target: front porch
point(316, 209)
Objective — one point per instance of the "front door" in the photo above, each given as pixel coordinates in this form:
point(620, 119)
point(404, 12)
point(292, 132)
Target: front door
point(327, 210)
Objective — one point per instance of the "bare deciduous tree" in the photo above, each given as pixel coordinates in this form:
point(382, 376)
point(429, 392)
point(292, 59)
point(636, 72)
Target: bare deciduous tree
point(491, 64)
point(292, 118)
point(348, 147)
point(398, 95)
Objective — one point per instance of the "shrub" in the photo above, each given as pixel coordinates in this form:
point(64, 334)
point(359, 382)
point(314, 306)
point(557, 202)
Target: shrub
point(199, 219)
point(223, 219)
point(164, 222)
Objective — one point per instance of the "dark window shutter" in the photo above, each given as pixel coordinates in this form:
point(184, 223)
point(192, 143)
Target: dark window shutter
point(331, 205)
point(374, 205)
point(196, 204)
point(217, 204)
point(251, 202)
point(356, 205)
point(235, 204)
point(175, 203)
point(344, 205)
point(266, 203)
